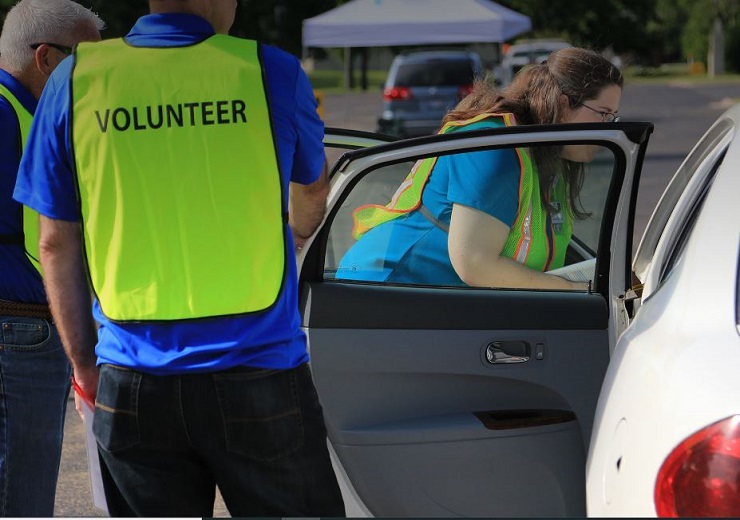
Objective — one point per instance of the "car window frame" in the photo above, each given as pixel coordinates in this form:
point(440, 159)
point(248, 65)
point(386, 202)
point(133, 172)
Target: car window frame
point(687, 225)
point(683, 193)
point(617, 281)
point(605, 224)
point(737, 293)
point(719, 135)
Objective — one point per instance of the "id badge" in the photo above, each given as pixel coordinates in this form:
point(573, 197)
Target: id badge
point(557, 218)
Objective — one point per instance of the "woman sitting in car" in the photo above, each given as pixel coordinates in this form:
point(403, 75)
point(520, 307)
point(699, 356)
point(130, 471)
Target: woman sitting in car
point(495, 218)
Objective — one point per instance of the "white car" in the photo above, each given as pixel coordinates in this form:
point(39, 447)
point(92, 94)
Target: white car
point(457, 401)
point(666, 437)
point(520, 55)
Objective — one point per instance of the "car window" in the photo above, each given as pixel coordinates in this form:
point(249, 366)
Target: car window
point(737, 293)
point(371, 240)
point(339, 141)
point(435, 74)
point(697, 164)
point(687, 226)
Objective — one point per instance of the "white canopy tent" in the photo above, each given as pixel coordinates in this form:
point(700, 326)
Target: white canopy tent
point(380, 23)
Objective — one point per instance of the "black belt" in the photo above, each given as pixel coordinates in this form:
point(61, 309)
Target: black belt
point(26, 310)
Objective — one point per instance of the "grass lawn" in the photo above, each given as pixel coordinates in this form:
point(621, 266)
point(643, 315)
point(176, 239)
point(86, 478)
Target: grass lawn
point(332, 81)
point(675, 72)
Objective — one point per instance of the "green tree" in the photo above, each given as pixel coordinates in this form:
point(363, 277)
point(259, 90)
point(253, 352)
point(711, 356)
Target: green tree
point(645, 31)
point(696, 19)
point(627, 26)
point(278, 22)
point(732, 48)
point(670, 21)
point(649, 32)
point(119, 17)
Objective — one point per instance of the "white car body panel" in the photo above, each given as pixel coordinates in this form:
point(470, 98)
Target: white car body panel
point(675, 370)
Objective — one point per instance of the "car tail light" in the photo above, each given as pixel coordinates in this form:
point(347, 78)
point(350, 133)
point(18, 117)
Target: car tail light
point(464, 91)
point(701, 476)
point(396, 93)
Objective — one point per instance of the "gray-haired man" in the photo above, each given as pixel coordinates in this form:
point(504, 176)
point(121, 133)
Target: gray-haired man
point(34, 372)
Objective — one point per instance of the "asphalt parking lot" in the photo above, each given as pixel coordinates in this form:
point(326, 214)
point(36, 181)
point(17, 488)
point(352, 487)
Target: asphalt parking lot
point(74, 493)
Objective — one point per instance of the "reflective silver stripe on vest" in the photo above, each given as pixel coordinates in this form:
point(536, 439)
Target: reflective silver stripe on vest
point(521, 256)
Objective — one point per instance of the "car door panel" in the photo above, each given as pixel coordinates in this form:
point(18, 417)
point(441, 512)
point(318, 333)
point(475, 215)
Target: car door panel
point(520, 490)
point(452, 401)
point(390, 405)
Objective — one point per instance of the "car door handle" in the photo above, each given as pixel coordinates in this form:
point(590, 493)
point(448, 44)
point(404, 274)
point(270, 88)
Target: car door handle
point(507, 352)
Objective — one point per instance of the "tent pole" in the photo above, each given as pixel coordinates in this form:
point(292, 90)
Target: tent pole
point(347, 68)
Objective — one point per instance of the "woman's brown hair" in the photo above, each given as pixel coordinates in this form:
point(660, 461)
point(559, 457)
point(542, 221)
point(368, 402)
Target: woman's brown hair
point(534, 97)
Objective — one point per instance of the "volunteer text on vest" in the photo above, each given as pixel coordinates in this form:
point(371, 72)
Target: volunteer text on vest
point(194, 113)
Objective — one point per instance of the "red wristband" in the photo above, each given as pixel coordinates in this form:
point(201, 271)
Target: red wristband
point(79, 391)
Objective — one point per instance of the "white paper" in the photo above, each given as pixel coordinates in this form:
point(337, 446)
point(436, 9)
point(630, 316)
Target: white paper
point(93, 460)
point(578, 272)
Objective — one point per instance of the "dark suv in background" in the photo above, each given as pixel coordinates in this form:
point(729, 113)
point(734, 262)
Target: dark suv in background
point(422, 86)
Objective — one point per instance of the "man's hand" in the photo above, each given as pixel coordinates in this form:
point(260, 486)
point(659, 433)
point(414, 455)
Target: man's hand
point(85, 382)
point(60, 247)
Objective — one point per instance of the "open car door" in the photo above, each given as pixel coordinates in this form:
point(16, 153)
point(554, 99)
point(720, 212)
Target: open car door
point(447, 400)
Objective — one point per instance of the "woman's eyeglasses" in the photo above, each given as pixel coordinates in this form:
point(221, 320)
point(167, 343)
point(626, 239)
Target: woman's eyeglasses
point(606, 117)
point(61, 48)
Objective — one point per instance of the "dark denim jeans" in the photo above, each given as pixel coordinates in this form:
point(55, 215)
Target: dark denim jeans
point(34, 385)
point(258, 435)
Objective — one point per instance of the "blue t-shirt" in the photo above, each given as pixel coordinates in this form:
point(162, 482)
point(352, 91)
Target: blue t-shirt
point(19, 279)
point(412, 249)
point(46, 182)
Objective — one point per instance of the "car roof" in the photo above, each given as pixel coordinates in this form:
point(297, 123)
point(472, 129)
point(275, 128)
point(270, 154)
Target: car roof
point(421, 56)
point(547, 45)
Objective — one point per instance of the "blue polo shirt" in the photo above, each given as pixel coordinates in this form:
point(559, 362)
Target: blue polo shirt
point(46, 182)
point(19, 280)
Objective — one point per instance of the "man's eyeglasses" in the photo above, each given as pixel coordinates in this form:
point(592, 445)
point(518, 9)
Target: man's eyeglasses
point(606, 117)
point(61, 48)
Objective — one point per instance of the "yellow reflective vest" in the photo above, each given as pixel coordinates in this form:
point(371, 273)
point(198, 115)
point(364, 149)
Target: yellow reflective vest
point(30, 237)
point(538, 238)
point(181, 197)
